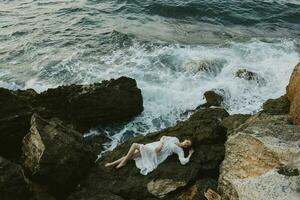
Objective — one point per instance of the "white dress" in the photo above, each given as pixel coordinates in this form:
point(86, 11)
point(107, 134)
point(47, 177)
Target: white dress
point(149, 159)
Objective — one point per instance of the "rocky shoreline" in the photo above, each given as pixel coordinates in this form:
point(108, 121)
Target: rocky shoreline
point(43, 155)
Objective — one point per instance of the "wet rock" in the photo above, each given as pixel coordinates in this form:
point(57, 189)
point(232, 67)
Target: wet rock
point(13, 184)
point(209, 67)
point(250, 76)
point(213, 98)
point(279, 106)
point(169, 179)
point(86, 106)
point(15, 113)
point(55, 156)
point(293, 94)
point(253, 156)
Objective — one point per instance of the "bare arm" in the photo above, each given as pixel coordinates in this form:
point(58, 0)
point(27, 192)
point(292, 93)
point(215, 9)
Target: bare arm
point(183, 160)
point(160, 145)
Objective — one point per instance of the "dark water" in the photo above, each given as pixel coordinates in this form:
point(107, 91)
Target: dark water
point(159, 43)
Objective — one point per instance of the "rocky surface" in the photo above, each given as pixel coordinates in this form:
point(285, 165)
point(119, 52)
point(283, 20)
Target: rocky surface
point(82, 106)
point(233, 122)
point(86, 106)
point(171, 179)
point(13, 184)
point(55, 155)
point(293, 93)
point(15, 113)
point(255, 157)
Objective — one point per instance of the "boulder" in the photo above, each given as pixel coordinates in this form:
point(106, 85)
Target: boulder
point(13, 184)
point(55, 156)
point(213, 98)
point(257, 158)
point(171, 178)
point(279, 106)
point(86, 106)
point(293, 94)
point(82, 106)
point(15, 113)
point(250, 76)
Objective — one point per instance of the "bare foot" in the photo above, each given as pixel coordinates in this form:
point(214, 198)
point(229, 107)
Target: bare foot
point(122, 164)
point(108, 164)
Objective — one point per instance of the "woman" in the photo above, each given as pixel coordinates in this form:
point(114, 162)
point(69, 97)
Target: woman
point(147, 157)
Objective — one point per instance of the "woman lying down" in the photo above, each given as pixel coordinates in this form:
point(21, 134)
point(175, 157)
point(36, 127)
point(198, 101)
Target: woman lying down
point(147, 157)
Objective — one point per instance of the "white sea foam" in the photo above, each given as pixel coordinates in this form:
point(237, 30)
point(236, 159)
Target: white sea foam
point(171, 82)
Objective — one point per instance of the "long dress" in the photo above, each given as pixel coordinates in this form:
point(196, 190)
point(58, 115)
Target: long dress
point(149, 159)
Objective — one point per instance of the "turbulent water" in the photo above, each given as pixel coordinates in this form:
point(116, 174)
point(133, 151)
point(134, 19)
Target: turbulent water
point(160, 43)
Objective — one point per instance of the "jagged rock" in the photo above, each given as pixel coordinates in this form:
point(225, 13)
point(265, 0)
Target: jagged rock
point(15, 113)
point(254, 157)
point(293, 93)
point(83, 106)
point(86, 106)
point(128, 183)
point(55, 156)
point(250, 76)
point(13, 184)
point(232, 122)
point(279, 106)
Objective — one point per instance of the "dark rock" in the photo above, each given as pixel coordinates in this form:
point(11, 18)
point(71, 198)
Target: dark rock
point(232, 122)
point(13, 184)
point(96, 142)
point(209, 137)
point(15, 113)
point(86, 106)
point(82, 106)
point(279, 106)
point(55, 156)
point(250, 76)
point(287, 171)
point(213, 98)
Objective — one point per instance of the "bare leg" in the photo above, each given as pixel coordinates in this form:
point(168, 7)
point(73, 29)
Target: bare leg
point(130, 154)
point(114, 162)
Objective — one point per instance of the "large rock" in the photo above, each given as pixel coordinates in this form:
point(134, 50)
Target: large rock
point(83, 106)
point(262, 160)
point(15, 113)
point(293, 93)
point(55, 156)
point(13, 184)
point(87, 106)
point(171, 178)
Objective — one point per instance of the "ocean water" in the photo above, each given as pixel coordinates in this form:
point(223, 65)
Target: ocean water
point(160, 43)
